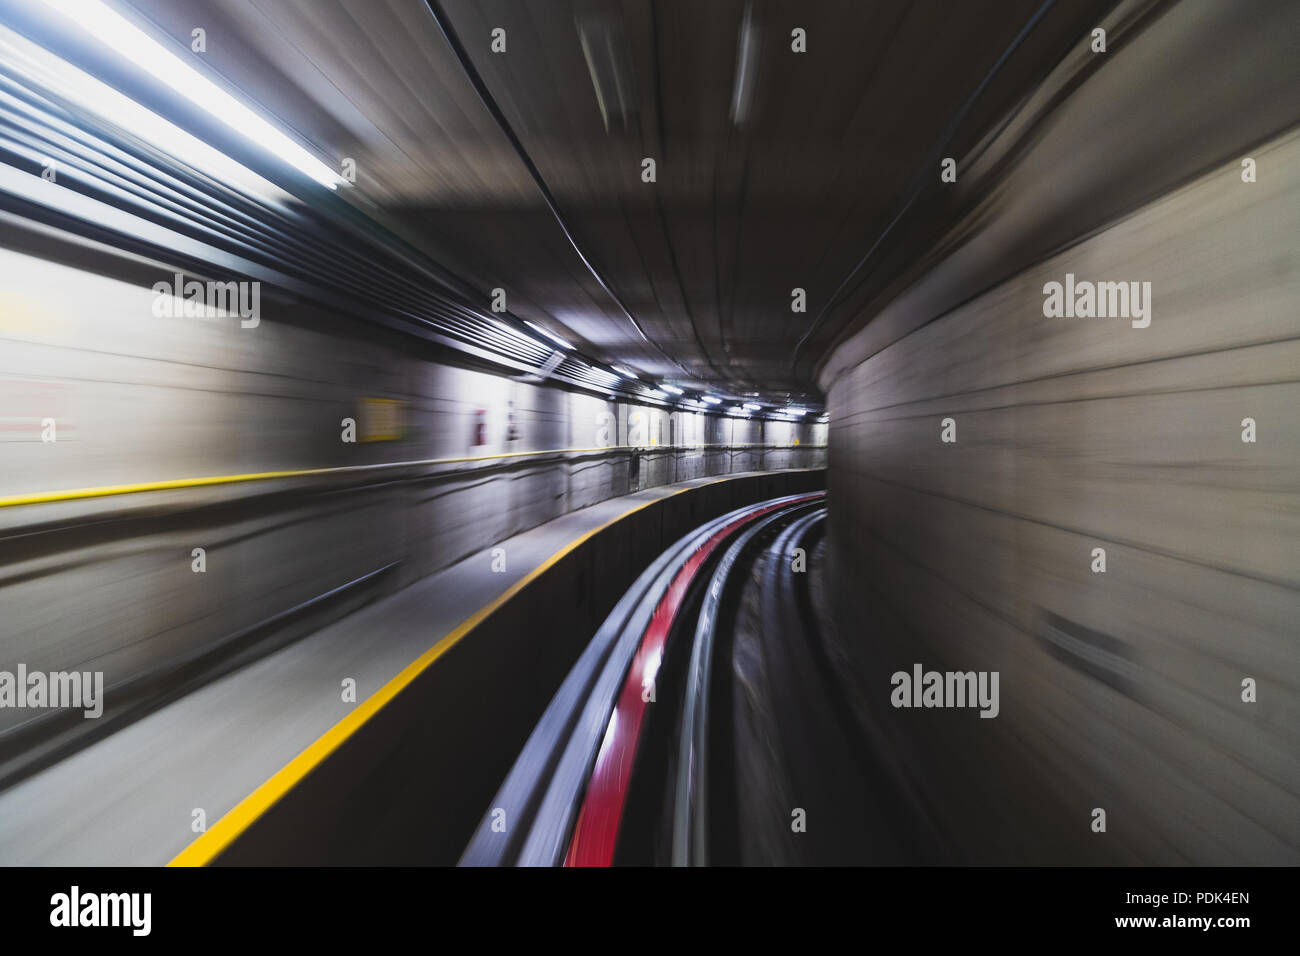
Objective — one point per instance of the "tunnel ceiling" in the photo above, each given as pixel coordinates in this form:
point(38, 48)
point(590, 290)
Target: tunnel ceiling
point(789, 183)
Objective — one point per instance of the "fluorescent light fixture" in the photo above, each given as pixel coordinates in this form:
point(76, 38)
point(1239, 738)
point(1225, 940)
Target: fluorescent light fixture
point(737, 410)
point(743, 87)
point(796, 411)
point(712, 401)
point(116, 32)
point(672, 389)
point(550, 335)
point(29, 60)
point(656, 393)
point(750, 406)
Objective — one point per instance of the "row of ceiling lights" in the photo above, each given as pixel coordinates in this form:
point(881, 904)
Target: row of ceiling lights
point(671, 394)
point(667, 393)
point(680, 397)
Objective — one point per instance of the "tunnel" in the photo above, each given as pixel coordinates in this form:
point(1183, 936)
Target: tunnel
point(650, 433)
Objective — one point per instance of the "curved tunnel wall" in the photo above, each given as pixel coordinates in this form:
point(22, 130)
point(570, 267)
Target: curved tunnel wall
point(1120, 689)
point(136, 397)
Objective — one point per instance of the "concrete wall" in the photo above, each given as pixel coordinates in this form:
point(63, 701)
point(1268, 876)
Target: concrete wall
point(1120, 690)
point(108, 583)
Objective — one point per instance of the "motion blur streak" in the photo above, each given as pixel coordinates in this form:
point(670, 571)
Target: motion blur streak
point(596, 828)
point(1016, 285)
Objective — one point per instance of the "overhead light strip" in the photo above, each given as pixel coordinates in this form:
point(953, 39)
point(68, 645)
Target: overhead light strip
point(117, 33)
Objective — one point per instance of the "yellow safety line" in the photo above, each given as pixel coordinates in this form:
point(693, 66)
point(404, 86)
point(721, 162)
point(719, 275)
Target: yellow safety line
point(106, 491)
point(225, 831)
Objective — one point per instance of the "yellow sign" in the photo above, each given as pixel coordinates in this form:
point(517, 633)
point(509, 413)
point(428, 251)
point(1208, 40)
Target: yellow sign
point(380, 419)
